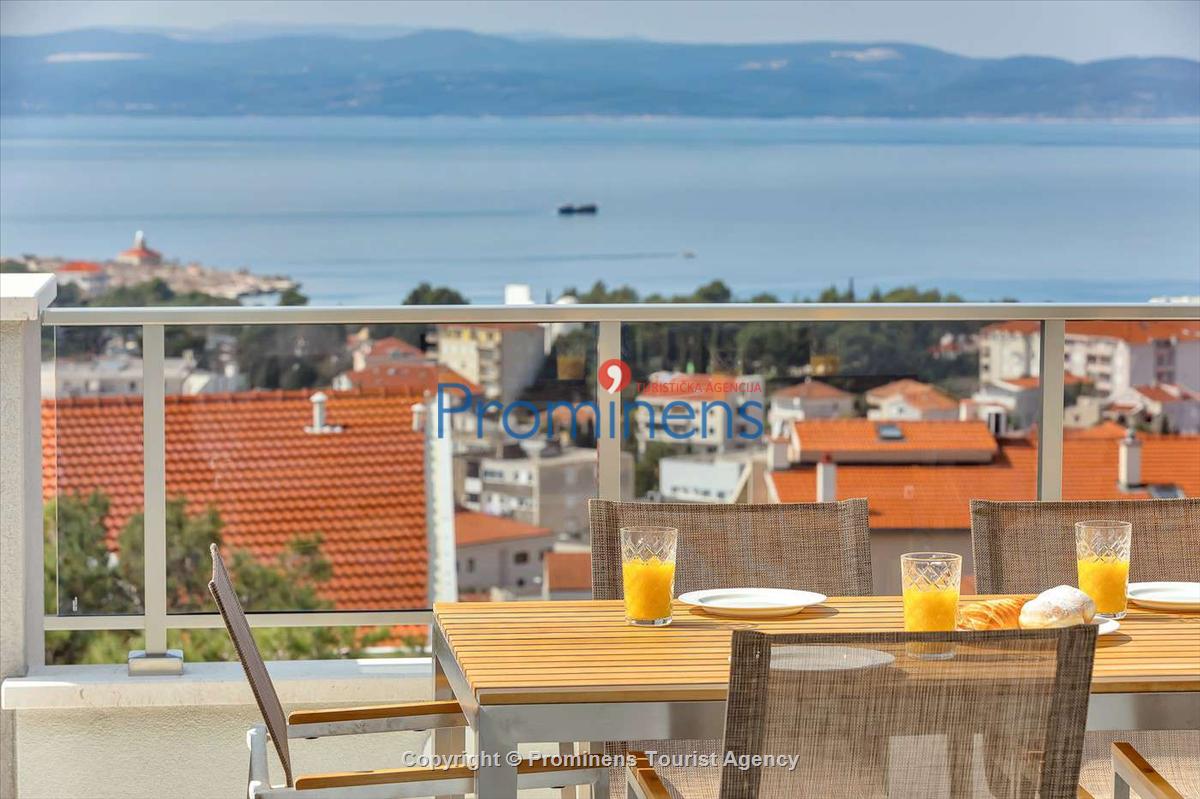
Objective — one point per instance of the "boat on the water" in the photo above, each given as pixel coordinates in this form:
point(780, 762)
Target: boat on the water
point(571, 210)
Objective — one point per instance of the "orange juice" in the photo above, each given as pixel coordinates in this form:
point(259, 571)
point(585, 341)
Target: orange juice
point(648, 586)
point(930, 611)
point(1106, 581)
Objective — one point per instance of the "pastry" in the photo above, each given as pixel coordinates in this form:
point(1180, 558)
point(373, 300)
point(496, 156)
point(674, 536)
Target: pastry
point(992, 614)
point(1061, 606)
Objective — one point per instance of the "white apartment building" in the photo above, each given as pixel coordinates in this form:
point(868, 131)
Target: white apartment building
point(545, 486)
point(908, 400)
point(700, 413)
point(119, 373)
point(1176, 405)
point(502, 358)
point(1112, 356)
point(811, 399)
point(729, 478)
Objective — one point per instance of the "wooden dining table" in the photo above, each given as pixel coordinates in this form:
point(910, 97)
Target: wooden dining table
point(567, 671)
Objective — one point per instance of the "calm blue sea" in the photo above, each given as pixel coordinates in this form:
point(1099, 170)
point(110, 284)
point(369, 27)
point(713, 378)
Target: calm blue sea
point(360, 210)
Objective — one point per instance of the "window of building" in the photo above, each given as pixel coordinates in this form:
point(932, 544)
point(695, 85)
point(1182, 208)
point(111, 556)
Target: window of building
point(520, 557)
point(470, 565)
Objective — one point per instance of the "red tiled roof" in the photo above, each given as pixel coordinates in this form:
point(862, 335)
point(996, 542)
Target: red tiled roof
point(395, 348)
point(248, 455)
point(1163, 393)
point(862, 436)
point(81, 266)
point(410, 378)
point(140, 252)
point(1137, 332)
point(900, 386)
point(568, 571)
point(813, 389)
point(482, 528)
point(904, 497)
point(921, 396)
point(1107, 429)
point(1033, 382)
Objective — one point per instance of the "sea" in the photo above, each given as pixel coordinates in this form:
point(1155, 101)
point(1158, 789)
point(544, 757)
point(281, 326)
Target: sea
point(359, 210)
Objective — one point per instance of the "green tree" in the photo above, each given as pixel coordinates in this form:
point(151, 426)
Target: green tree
point(83, 576)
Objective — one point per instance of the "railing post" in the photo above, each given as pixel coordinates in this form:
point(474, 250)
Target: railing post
point(608, 420)
point(1050, 429)
point(22, 636)
point(155, 658)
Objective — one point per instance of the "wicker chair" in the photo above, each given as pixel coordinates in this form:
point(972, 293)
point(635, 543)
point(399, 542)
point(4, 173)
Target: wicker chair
point(1004, 717)
point(822, 547)
point(1006, 534)
point(395, 783)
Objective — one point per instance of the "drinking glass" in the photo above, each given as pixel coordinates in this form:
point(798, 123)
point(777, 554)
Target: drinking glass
point(930, 581)
point(1102, 555)
point(648, 573)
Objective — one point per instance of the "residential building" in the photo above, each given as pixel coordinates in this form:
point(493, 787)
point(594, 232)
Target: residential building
point(1111, 355)
point(90, 278)
point(140, 254)
point(120, 373)
point(497, 552)
point(1017, 401)
point(366, 352)
point(920, 495)
point(271, 473)
point(1174, 408)
point(567, 575)
point(538, 483)
point(910, 400)
point(810, 399)
point(503, 358)
point(699, 412)
point(722, 478)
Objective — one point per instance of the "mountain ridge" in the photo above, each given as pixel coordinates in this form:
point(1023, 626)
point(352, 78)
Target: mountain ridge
point(445, 72)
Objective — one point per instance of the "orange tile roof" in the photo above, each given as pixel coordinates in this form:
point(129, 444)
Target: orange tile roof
point(568, 571)
point(813, 389)
point(247, 454)
point(1163, 393)
point(407, 377)
point(921, 396)
point(862, 436)
point(917, 497)
point(395, 348)
point(482, 528)
point(80, 266)
point(1106, 429)
point(1136, 332)
point(1033, 382)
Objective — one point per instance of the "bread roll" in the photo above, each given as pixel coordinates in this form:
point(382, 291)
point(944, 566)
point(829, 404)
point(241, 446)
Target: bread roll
point(1061, 606)
point(992, 614)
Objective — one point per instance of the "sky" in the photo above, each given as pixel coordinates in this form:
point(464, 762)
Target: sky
point(1078, 30)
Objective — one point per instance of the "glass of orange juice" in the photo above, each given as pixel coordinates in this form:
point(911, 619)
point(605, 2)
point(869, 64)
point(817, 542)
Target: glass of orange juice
point(648, 573)
point(1102, 555)
point(930, 581)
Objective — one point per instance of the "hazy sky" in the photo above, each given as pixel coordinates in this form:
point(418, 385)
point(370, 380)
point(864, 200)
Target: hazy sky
point(1079, 30)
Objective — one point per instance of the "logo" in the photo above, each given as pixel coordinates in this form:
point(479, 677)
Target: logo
point(613, 375)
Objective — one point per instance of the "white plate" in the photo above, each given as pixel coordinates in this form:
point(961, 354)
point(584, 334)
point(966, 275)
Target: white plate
point(1166, 595)
point(1107, 626)
point(828, 658)
point(752, 602)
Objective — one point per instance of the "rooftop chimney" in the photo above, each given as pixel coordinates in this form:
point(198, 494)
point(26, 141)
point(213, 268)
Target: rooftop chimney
point(319, 411)
point(1129, 461)
point(826, 479)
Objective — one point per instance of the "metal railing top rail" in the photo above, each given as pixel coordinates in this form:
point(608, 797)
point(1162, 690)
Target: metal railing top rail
point(631, 312)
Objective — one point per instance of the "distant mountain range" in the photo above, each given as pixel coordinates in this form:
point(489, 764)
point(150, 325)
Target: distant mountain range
point(438, 72)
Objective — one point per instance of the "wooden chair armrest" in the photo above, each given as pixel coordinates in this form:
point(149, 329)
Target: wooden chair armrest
point(644, 780)
point(1130, 766)
point(540, 769)
point(407, 710)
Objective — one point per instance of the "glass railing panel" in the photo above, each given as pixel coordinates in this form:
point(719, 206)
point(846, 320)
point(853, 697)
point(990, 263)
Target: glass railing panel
point(919, 418)
point(1132, 419)
point(92, 486)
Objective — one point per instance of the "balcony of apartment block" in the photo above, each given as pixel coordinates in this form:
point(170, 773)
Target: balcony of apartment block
point(378, 453)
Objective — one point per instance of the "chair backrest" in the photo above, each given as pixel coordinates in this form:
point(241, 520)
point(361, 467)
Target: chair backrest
point(230, 606)
point(1027, 547)
point(1002, 717)
point(820, 546)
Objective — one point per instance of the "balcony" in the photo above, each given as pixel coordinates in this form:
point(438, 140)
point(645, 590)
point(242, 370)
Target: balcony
point(369, 477)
